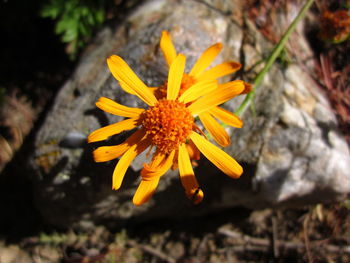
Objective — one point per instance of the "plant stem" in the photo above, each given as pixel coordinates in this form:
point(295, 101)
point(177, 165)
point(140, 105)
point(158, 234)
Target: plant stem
point(271, 59)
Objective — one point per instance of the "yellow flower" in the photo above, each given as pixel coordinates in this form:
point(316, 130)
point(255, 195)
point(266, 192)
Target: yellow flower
point(167, 125)
point(206, 79)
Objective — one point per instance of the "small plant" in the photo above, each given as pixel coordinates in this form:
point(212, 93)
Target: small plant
point(75, 20)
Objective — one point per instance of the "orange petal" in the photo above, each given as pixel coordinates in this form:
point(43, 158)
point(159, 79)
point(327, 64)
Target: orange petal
point(188, 179)
point(157, 159)
point(175, 76)
point(193, 151)
point(247, 88)
point(205, 60)
point(160, 164)
point(215, 129)
point(226, 117)
point(126, 160)
point(126, 88)
point(216, 97)
point(115, 128)
point(237, 89)
point(115, 108)
point(122, 72)
point(217, 156)
point(153, 90)
point(145, 191)
point(220, 70)
point(167, 47)
point(158, 167)
point(197, 90)
point(107, 153)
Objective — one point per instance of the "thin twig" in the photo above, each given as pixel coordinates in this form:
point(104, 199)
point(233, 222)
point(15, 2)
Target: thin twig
point(244, 249)
point(244, 238)
point(306, 240)
point(152, 251)
point(275, 237)
point(257, 243)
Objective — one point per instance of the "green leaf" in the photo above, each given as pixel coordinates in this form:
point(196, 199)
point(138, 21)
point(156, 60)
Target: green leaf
point(70, 35)
point(100, 16)
point(75, 19)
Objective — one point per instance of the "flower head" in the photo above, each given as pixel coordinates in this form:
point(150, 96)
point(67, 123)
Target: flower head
point(167, 125)
point(205, 80)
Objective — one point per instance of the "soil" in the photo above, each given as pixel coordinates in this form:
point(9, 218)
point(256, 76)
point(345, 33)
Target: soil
point(35, 65)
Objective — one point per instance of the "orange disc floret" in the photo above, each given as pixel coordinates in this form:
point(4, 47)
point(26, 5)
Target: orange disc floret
point(168, 124)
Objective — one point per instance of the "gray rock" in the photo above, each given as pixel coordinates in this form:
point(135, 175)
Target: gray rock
point(290, 148)
point(13, 254)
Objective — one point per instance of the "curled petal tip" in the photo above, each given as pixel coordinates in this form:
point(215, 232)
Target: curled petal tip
point(196, 195)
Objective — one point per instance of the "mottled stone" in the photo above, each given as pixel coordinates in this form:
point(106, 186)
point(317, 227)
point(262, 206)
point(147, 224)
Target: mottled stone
point(13, 254)
point(290, 148)
point(304, 159)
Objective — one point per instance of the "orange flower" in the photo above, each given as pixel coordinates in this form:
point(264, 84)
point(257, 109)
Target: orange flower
point(204, 79)
point(167, 125)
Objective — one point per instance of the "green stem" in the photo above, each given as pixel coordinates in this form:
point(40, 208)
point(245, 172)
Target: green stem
point(275, 53)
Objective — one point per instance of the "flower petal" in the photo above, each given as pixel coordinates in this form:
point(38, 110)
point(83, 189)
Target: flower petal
point(216, 97)
point(126, 88)
point(226, 117)
point(215, 129)
point(219, 71)
point(107, 153)
point(193, 151)
point(115, 128)
point(167, 47)
point(175, 77)
point(126, 160)
point(247, 88)
point(115, 108)
point(197, 90)
point(157, 159)
point(122, 72)
point(188, 179)
point(153, 90)
point(145, 191)
point(160, 164)
point(217, 156)
point(205, 60)
point(237, 89)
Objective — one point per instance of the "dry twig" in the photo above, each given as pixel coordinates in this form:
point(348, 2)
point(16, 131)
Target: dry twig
point(306, 240)
point(256, 244)
point(152, 251)
point(275, 237)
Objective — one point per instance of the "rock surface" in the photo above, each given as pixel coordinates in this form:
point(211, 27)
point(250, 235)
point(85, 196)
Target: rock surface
point(13, 254)
point(290, 148)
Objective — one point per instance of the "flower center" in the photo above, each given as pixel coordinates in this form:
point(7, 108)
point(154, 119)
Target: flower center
point(168, 124)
